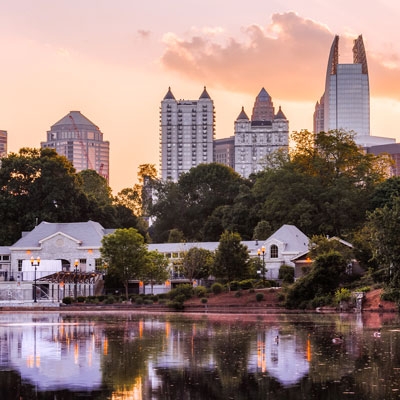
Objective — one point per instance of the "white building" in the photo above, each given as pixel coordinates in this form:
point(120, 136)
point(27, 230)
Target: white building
point(187, 129)
point(258, 138)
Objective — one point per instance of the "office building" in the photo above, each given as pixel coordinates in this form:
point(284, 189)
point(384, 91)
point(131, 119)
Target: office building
point(3, 143)
point(224, 151)
point(81, 141)
point(257, 139)
point(187, 129)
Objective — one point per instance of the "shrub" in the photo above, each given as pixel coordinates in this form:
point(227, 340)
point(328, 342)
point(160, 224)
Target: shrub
point(109, 300)
point(286, 273)
point(176, 305)
point(204, 300)
point(260, 296)
point(80, 299)
point(148, 302)
point(67, 300)
point(246, 284)
point(217, 288)
point(391, 294)
point(234, 285)
point(139, 300)
point(342, 294)
point(200, 291)
point(238, 293)
point(185, 290)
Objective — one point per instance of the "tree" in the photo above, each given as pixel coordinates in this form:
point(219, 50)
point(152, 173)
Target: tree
point(384, 228)
point(126, 254)
point(197, 263)
point(38, 185)
point(96, 187)
point(231, 258)
point(156, 270)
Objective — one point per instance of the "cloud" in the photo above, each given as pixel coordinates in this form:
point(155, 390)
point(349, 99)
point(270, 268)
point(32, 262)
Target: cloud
point(144, 34)
point(288, 57)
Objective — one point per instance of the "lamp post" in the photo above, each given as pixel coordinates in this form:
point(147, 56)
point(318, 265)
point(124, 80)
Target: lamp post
point(76, 263)
point(35, 263)
point(262, 252)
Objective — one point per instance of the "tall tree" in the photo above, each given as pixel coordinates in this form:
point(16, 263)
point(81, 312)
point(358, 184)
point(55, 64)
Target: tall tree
point(231, 258)
point(38, 185)
point(126, 254)
point(156, 270)
point(197, 263)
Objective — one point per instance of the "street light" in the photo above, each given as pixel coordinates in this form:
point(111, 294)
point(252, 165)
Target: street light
point(262, 252)
point(35, 263)
point(76, 263)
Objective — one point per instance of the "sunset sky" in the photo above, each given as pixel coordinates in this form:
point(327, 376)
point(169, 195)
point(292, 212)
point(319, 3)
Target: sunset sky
point(114, 61)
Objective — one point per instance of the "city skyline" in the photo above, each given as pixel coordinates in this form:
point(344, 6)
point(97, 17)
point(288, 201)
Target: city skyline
point(115, 61)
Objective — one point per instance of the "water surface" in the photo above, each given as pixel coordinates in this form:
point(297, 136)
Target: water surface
point(132, 355)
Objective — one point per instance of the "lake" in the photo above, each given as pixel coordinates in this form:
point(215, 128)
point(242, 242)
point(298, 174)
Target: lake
point(135, 355)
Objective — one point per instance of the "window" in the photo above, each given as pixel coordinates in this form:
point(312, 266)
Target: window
point(19, 265)
point(274, 251)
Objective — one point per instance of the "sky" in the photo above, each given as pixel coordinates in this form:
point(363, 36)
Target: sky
point(114, 60)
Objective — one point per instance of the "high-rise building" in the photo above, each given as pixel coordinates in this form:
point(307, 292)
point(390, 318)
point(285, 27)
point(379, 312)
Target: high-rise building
point(187, 129)
point(81, 141)
point(3, 143)
point(345, 102)
point(224, 151)
point(259, 137)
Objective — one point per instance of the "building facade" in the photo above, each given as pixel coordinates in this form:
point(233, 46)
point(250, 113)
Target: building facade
point(3, 143)
point(187, 130)
point(77, 138)
point(224, 151)
point(345, 102)
point(258, 138)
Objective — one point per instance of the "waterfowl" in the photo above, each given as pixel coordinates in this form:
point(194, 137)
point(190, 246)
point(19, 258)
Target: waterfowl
point(337, 340)
point(377, 333)
point(277, 339)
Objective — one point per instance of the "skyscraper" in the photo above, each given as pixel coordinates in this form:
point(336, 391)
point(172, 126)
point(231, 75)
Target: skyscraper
point(255, 140)
point(3, 143)
point(81, 141)
point(187, 129)
point(345, 102)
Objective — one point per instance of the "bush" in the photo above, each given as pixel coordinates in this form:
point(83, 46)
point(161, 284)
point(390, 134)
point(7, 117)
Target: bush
point(185, 291)
point(109, 300)
point(80, 299)
point(148, 302)
point(260, 296)
point(67, 300)
point(238, 293)
point(217, 288)
point(176, 305)
point(391, 294)
point(234, 285)
point(286, 273)
point(200, 291)
point(342, 294)
point(246, 284)
point(139, 300)
point(204, 300)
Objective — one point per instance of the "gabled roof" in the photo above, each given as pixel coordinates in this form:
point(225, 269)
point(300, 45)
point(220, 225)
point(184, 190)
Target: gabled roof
point(205, 95)
point(242, 115)
point(293, 238)
point(169, 95)
point(75, 117)
point(88, 234)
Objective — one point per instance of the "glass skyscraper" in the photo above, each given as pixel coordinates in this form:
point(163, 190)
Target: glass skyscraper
point(345, 103)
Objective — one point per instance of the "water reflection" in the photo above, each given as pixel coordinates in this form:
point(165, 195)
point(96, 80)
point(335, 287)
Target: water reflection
point(179, 356)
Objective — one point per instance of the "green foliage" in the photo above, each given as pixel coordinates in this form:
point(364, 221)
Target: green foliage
point(384, 228)
point(322, 280)
point(217, 288)
point(197, 263)
point(391, 294)
point(67, 300)
point(184, 292)
point(200, 291)
point(80, 299)
point(204, 300)
point(342, 294)
point(259, 297)
point(262, 231)
point(231, 258)
point(125, 253)
point(246, 284)
point(286, 273)
point(156, 268)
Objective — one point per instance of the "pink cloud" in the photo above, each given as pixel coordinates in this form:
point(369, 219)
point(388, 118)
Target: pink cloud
point(288, 57)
